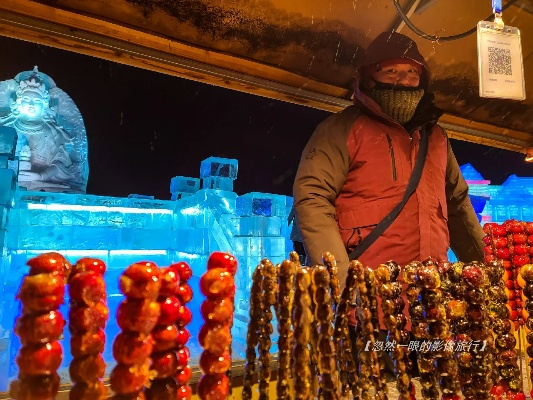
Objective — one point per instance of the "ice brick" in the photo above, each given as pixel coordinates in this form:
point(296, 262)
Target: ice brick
point(217, 183)
point(248, 246)
point(527, 212)
point(7, 185)
point(274, 246)
point(261, 204)
point(8, 141)
point(258, 225)
point(14, 165)
point(216, 166)
point(96, 238)
point(193, 241)
point(140, 196)
point(179, 195)
point(45, 237)
point(3, 217)
point(153, 239)
point(184, 184)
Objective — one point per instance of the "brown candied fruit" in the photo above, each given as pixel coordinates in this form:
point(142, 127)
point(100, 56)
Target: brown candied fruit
point(125, 379)
point(38, 387)
point(87, 369)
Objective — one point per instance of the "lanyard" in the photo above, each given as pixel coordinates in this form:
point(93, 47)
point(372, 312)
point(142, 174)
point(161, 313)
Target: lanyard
point(497, 6)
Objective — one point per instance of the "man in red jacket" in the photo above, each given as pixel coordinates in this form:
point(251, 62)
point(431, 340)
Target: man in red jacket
point(357, 164)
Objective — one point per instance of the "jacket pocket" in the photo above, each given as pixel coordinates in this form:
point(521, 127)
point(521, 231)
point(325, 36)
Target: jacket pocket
point(355, 225)
point(442, 209)
point(392, 156)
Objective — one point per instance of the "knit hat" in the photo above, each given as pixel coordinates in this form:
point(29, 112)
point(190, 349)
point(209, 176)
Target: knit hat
point(389, 47)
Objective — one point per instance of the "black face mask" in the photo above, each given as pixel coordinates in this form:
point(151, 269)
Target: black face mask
point(399, 102)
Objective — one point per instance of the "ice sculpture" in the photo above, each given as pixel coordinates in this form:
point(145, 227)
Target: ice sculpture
point(52, 142)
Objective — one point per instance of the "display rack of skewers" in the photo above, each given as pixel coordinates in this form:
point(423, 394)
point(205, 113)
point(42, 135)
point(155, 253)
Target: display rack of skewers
point(152, 360)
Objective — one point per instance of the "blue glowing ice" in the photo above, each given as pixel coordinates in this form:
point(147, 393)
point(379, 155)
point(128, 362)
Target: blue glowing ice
point(216, 166)
point(121, 231)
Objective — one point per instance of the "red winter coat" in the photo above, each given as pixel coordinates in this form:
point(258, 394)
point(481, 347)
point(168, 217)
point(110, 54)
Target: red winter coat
point(355, 169)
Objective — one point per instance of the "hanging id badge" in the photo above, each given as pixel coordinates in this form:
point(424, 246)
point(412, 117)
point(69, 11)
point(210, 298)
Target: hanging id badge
point(500, 63)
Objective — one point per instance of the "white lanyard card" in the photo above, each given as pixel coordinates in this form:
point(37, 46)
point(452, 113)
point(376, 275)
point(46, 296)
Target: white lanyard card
point(500, 64)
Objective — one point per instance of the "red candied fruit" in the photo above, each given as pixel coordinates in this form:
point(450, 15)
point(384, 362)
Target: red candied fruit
point(184, 293)
point(213, 387)
point(226, 261)
point(140, 281)
point(49, 262)
point(39, 328)
point(183, 337)
point(211, 363)
point(132, 347)
point(126, 379)
point(164, 364)
point(91, 342)
point(138, 315)
point(41, 359)
point(87, 287)
point(170, 310)
point(89, 264)
point(165, 337)
point(42, 292)
point(183, 269)
point(184, 317)
point(84, 318)
point(170, 281)
point(185, 393)
point(87, 369)
point(217, 282)
point(184, 374)
point(215, 337)
point(183, 355)
point(217, 310)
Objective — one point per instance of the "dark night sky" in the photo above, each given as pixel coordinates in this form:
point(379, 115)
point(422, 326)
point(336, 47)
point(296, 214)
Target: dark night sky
point(143, 128)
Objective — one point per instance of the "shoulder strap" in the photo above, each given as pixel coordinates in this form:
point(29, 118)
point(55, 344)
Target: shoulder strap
point(411, 187)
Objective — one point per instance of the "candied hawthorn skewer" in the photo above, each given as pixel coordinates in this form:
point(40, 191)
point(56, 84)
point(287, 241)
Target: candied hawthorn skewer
point(254, 329)
point(363, 304)
point(165, 334)
point(184, 294)
point(270, 289)
point(217, 284)
point(137, 315)
point(392, 304)
point(285, 299)
point(230, 264)
point(39, 328)
point(88, 315)
point(302, 318)
point(327, 363)
point(347, 372)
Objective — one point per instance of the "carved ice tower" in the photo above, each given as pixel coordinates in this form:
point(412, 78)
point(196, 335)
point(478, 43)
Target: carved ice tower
point(51, 139)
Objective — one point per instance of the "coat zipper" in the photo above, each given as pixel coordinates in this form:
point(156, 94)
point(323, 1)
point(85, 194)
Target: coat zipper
point(393, 159)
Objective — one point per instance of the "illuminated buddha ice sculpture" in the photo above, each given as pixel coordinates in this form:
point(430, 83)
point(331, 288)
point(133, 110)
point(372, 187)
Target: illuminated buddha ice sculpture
point(52, 142)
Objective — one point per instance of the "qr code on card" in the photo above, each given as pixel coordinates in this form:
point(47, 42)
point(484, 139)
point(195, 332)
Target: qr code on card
point(500, 61)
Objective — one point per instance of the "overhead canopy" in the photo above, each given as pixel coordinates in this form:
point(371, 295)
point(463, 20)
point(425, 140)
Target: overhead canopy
point(302, 51)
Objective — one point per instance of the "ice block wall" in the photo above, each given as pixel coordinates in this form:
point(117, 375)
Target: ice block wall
point(205, 216)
